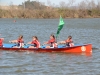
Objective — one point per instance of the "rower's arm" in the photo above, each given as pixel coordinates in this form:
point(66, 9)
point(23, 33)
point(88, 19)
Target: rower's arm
point(46, 43)
point(13, 41)
point(29, 43)
point(61, 42)
point(2, 39)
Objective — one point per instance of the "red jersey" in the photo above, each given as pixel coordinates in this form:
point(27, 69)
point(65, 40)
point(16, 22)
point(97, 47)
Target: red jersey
point(36, 43)
point(1, 42)
point(69, 43)
point(51, 41)
point(20, 41)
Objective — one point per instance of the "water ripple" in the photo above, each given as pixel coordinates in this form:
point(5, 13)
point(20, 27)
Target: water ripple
point(28, 63)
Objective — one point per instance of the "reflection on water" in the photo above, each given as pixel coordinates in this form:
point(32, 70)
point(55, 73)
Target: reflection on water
point(44, 63)
point(32, 63)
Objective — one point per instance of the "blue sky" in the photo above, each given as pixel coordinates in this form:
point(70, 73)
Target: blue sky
point(16, 2)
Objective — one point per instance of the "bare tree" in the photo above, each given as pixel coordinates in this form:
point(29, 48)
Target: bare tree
point(98, 5)
point(92, 4)
point(63, 4)
point(11, 5)
point(49, 3)
point(82, 5)
point(71, 2)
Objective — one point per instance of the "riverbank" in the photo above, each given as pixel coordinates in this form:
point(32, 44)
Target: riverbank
point(49, 13)
point(36, 9)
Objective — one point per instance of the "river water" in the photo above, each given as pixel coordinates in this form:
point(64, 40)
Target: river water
point(83, 31)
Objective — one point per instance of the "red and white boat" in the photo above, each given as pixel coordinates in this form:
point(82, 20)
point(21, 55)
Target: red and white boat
point(86, 48)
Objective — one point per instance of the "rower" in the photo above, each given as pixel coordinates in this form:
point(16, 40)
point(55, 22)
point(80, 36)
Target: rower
point(51, 42)
point(68, 42)
point(34, 43)
point(19, 41)
point(1, 42)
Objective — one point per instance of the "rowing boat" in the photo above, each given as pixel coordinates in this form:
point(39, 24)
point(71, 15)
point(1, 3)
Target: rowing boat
point(87, 48)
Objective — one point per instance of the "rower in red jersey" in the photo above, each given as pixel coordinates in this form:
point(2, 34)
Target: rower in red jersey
point(19, 41)
point(1, 42)
point(51, 42)
point(34, 43)
point(68, 42)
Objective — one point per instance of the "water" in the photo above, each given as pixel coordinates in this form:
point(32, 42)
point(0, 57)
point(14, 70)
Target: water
point(28, 63)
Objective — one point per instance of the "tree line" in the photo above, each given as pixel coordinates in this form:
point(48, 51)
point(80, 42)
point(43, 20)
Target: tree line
point(36, 9)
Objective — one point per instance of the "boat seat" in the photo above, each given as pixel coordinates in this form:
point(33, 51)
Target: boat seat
point(9, 45)
point(27, 45)
point(61, 46)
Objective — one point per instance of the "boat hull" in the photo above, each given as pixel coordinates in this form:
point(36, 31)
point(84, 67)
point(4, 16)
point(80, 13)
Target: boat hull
point(76, 49)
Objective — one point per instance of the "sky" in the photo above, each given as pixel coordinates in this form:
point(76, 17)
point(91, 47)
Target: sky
point(17, 2)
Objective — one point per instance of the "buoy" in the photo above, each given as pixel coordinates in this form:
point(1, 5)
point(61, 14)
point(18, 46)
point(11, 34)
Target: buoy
point(14, 20)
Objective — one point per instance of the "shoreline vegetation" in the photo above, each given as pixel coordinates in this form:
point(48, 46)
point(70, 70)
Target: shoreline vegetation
point(36, 9)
